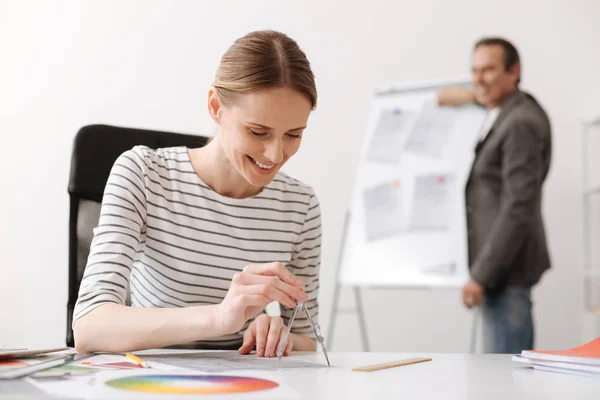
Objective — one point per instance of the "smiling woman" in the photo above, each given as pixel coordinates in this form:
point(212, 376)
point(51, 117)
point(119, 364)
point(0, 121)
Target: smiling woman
point(257, 135)
point(203, 239)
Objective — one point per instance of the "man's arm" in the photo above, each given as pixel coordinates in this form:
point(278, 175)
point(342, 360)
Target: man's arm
point(455, 96)
point(521, 185)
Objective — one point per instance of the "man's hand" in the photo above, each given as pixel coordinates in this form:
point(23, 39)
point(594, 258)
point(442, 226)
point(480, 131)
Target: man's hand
point(455, 96)
point(472, 294)
point(266, 331)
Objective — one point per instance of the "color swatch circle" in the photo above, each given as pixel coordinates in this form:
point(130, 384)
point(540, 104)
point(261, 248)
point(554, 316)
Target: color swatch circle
point(191, 384)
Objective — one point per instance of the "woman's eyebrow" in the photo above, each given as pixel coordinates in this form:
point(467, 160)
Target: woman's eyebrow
point(270, 129)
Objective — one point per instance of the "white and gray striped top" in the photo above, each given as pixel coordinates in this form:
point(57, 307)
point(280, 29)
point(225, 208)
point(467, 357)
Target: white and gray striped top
point(174, 242)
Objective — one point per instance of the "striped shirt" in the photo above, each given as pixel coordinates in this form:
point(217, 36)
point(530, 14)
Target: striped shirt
point(169, 240)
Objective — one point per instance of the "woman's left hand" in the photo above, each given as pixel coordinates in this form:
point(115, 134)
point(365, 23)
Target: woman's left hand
point(266, 332)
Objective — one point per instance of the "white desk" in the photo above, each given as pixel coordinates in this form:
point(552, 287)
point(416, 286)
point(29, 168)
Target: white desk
point(448, 376)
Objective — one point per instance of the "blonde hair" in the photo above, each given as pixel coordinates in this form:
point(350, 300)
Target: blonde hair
point(264, 59)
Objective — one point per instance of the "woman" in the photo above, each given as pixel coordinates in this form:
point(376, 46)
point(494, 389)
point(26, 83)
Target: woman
point(203, 239)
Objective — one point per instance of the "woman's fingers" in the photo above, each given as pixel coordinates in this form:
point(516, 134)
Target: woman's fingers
point(262, 323)
point(288, 347)
point(264, 292)
point(251, 290)
point(275, 331)
point(245, 300)
point(249, 340)
point(275, 269)
point(269, 286)
point(266, 332)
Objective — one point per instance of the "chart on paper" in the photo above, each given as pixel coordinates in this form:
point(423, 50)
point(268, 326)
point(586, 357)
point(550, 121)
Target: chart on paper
point(224, 361)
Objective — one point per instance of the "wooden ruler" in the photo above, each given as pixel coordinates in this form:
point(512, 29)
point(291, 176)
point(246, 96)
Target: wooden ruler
point(391, 364)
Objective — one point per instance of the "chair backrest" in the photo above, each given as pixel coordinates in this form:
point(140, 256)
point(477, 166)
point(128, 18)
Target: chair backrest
point(95, 150)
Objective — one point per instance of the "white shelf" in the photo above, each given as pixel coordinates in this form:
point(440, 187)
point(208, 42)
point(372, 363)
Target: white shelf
point(591, 122)
point(591, 188)
point(592, 191)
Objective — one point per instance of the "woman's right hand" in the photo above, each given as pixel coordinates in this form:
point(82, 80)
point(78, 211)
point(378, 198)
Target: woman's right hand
point(255, 287)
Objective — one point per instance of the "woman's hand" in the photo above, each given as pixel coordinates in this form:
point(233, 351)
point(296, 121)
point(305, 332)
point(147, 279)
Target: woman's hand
point(255, 287)
point(265, 332)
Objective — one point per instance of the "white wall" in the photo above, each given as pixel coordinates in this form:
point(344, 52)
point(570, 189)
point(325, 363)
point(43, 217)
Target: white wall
point(149, 63)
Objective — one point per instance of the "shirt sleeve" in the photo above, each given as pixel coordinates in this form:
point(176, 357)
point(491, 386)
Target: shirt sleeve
point(306, 264)
point(117, 237)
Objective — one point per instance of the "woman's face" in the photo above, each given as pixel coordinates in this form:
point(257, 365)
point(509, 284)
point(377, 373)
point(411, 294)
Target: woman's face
point(262, 130)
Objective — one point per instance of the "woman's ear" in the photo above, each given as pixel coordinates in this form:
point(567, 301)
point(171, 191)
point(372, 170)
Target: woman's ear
point(214, 105)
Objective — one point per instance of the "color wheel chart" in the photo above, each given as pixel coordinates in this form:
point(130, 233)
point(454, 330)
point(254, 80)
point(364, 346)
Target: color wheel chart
point(191, 384)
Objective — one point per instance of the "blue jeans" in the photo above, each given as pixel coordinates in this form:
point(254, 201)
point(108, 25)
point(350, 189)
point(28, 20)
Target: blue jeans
point(507, 320)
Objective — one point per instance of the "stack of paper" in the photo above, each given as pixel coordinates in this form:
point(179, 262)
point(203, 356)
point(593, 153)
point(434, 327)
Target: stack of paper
point(15, 363)
point(582, 360)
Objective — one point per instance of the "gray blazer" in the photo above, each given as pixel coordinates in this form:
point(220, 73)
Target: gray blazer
point(506, 237)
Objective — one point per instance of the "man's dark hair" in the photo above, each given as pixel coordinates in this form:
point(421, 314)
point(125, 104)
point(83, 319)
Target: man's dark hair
point(511, 55)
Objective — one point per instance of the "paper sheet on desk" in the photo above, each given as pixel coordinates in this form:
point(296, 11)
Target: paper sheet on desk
point(77, 386)
point(176, 385)
point(165, 365)
point(75, 379)
point(224, 361)
point(142, 384)
point(567, 371)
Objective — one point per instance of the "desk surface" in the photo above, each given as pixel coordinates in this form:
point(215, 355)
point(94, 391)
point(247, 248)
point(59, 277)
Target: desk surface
point(448, 376)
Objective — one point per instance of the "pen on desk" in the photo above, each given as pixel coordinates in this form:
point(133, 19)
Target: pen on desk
point(138, 360)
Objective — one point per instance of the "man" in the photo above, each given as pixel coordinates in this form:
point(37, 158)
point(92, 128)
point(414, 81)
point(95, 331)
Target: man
point(506, 237)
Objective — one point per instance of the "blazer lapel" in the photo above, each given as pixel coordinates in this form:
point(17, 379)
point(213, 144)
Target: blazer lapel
point(505, 110)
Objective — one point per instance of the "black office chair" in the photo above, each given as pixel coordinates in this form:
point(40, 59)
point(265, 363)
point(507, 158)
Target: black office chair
point(95, 149)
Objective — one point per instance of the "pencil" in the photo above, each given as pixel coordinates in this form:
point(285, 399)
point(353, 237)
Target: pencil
point(138, 360)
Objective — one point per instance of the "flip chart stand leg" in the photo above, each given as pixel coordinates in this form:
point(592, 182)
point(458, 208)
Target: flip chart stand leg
point(476, 317)
point(361, 319)
point(336, 296)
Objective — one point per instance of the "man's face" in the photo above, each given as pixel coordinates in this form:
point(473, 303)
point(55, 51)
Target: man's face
point(491, 82)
